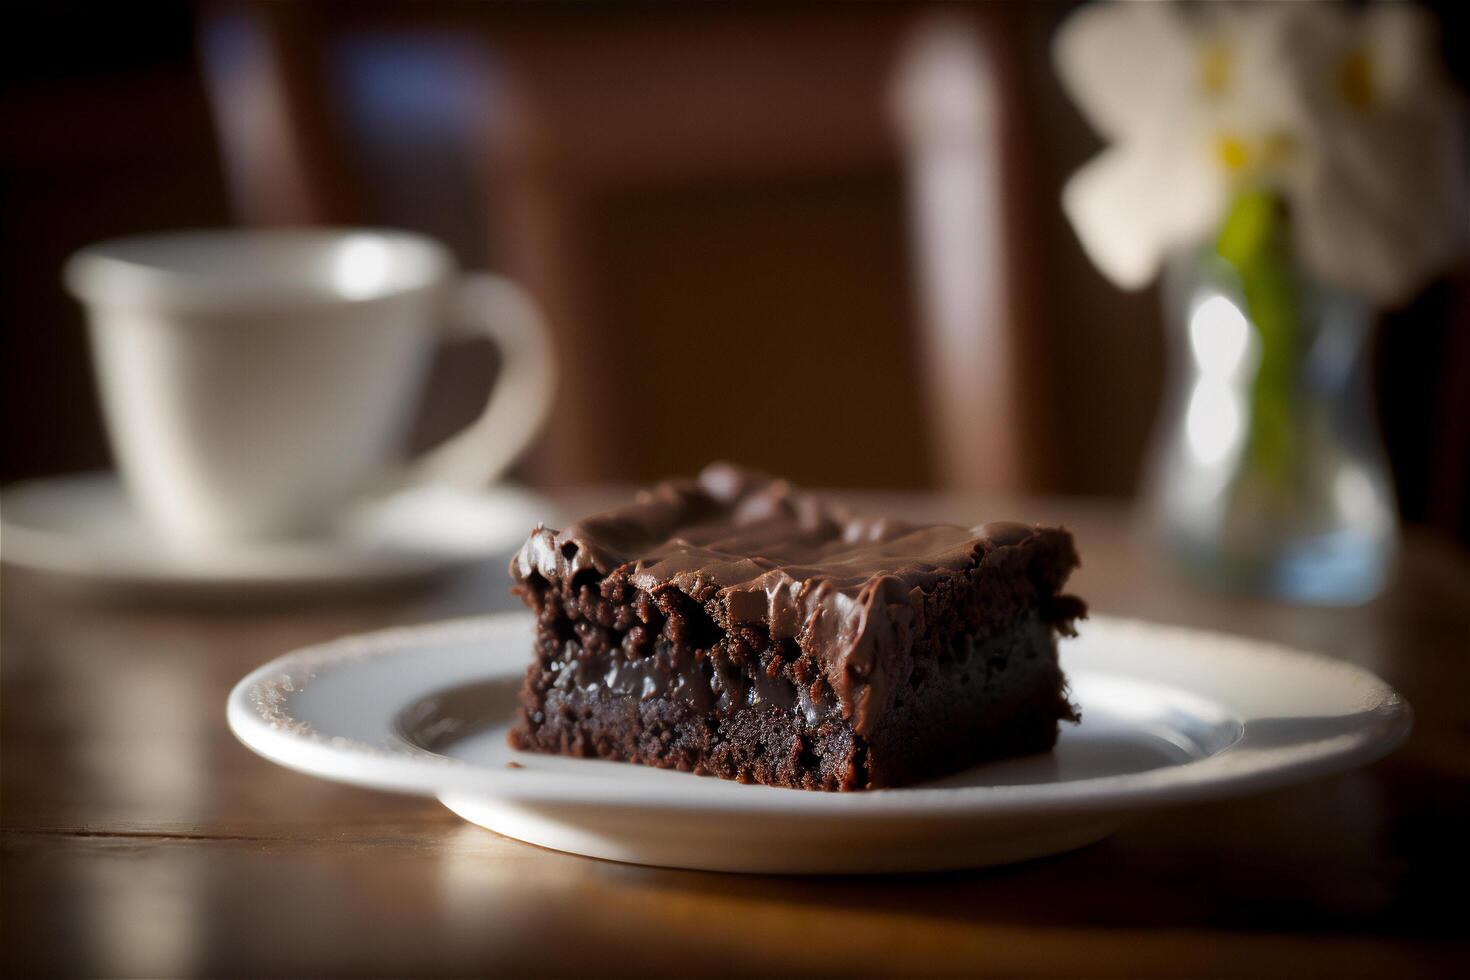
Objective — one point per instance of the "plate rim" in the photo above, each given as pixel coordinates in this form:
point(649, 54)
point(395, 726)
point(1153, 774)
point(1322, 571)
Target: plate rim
point(409, 769)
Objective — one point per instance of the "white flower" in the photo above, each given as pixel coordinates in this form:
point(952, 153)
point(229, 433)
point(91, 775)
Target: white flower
point(1342, 111)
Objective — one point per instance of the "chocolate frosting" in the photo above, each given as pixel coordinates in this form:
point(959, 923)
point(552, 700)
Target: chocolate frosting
point(846, 587)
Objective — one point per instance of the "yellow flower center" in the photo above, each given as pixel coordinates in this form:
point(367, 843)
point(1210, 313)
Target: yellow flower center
point(1253, 154)
point(1355, 79)
point(1232, 153)
point(1217, 66)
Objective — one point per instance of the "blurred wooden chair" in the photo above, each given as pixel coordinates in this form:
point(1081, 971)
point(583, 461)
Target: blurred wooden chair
point(714, 205)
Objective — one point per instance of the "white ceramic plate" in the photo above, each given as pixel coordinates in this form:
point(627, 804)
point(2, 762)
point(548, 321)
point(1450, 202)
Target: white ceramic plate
point(81, 527)
point(1169, 715)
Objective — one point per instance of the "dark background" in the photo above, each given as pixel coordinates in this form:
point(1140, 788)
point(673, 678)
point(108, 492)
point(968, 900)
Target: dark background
point(687, 277)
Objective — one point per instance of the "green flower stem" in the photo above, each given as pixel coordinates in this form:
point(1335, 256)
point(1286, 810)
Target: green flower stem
point(1255, 240)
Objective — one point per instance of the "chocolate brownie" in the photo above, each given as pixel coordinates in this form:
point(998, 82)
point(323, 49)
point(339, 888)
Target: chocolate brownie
point(736, 627)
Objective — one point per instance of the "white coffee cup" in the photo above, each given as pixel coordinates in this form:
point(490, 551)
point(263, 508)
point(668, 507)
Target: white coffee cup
point(256, 383)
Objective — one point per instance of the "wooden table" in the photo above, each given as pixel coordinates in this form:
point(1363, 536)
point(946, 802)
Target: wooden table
point(140, 839)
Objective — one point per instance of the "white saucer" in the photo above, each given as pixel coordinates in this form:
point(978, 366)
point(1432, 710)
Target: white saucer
point(1169, 716)
point(83, 528)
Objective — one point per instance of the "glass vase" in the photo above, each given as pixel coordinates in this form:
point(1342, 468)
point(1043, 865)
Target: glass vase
point(1268, 473)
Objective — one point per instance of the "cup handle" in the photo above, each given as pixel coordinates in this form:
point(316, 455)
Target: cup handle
point(486, 305)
